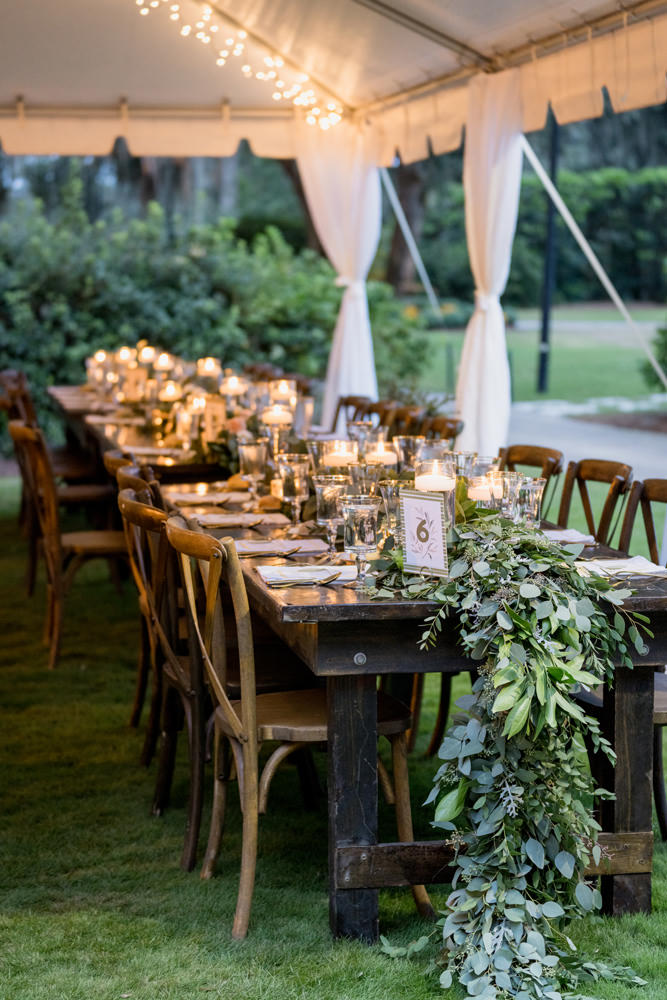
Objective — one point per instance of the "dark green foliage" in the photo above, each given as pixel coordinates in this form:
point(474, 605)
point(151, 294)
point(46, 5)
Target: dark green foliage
point(69, 286)
point(659, 346)
point(618, 210)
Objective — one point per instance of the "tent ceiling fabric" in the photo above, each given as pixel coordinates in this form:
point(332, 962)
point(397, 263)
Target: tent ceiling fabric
point(73, 62)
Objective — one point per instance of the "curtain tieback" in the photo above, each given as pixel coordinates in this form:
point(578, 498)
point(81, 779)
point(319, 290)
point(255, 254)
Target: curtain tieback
point(483, 300)
point(356, 285)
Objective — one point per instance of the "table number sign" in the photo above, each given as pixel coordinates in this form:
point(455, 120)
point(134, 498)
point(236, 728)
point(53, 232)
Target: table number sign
point(424, 532)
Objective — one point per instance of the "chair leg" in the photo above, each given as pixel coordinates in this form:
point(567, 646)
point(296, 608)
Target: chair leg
point(143, 669)
point(153, 724)
point(659, 782)
point(415, 709)
point(248, 853)
point(195, 723)
point(33, 551)
point(56, 627)
point(399, 758)
point(221, 766)
point(172, 717)
point(443, 713)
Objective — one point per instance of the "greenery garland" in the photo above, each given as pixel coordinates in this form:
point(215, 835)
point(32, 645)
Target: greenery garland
point(514, 792)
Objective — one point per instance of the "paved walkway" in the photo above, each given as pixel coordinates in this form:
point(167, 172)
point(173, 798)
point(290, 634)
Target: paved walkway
point(546, 424)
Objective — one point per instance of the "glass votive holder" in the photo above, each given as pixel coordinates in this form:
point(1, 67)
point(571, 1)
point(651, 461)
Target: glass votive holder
point(505, 490)
point(529, 500)
point(437, 475)
point(390, 492)
point(283, 390)
point(365, 477)
point(338, 454)
point(435, 451)
point(380, 453)
point(484, 464)
point(360, 431)
point(479, 490)
point(464, 462)
point(407, 448)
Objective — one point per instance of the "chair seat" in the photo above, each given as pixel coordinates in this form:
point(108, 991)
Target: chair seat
point(85, 493)
point(100, 542)
point(594, 699)
point(301, 716)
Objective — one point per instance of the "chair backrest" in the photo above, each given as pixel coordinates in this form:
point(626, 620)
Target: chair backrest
point(17, 399)
point(142, 481)
point(115, 460)
point(403, 420)
point(217, 564)
point(382, 409)
point(40, 489)
point(619, 477)
point(441, 426)
point(348, 405)
point(644, 494)
point(548, 460)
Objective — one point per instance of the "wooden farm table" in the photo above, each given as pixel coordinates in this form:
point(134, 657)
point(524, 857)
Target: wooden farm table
point(350, 640)
point(91, 422)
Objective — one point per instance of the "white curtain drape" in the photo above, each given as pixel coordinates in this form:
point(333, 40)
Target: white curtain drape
point(491, 179)
point(342, 185)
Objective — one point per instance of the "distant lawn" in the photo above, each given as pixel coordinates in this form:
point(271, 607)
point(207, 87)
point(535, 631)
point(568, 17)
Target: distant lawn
point(580, 367)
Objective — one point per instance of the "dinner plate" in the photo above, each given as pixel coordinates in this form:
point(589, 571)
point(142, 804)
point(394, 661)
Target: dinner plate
point(280, 546)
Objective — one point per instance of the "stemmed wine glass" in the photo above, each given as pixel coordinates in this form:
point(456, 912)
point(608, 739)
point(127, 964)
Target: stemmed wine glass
point(328, 493)
point(293, 471)
point(360, 522)
point(252, 460)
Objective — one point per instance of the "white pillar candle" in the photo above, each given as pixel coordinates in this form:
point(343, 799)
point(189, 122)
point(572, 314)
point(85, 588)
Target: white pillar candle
point(170, 392)
point(434, 482)
point(482, 493)
point(164, 363)
point(125, 355)
point(382, 455)
point(147, 355)
point(209, 367)
point(277, 416)
point(100, 357)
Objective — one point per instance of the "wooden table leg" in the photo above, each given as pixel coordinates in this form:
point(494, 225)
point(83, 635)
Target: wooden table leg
point(628, 724)
point(353, 811)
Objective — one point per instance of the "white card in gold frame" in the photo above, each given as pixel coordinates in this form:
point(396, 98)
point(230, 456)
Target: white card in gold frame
point(424, 532)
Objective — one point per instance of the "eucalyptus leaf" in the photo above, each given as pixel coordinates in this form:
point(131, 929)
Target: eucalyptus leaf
point(529, 590)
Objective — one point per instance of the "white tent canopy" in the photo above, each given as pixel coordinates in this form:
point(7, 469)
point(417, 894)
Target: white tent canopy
point(194, 77)
point(76, 74)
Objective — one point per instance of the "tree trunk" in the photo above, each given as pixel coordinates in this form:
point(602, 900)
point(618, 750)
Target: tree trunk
point(410, 188)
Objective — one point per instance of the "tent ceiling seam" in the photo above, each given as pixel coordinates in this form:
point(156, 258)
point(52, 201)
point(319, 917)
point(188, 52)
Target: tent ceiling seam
point(548, 45)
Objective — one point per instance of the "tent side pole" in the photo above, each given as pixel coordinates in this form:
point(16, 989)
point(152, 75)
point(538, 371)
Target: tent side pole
point(410, 240)
point(591, 256)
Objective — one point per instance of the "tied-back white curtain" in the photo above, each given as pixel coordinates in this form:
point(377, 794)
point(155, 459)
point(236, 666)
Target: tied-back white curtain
point(342, 186)
point(491, 180)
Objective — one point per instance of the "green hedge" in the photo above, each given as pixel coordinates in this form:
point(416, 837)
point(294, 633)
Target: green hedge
point(69, 286)
point(621, 213)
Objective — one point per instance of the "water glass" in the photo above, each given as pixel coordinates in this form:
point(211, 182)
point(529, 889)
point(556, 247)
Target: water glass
point(360, 519)
point(464, 462)
point(365, 478)
point(360, 431)
point(483, 464)
point(328, 493)
point(293, 471)
point(253, 456)
point(437, 475)
point(407, 448)
point(390, 489)
point(505, 490)
point(529, 500)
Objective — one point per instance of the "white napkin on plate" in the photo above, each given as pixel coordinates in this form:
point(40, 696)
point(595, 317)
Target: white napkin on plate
point(214, 496)
point(568, 536)
point(307, 574)
point(214, 519)
point(635, 566)
point(266, 546)
point(152, 451)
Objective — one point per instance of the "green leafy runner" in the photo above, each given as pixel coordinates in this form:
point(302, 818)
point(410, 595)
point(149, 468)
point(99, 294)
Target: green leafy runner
point(514, 791)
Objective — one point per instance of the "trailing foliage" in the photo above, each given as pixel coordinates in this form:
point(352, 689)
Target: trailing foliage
point(514, 793)
point(660, 350)
point(69, 286)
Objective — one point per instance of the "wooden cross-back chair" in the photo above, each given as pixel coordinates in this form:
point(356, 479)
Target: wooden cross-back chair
point(548, 460)
point(642, 495)
point(441, 426)
point(292, 719)
point(64, 553)
point(382, 409)
point(178, 693)
point(587, 470)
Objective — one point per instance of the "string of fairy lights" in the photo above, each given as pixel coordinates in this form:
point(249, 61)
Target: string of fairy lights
point(229, 43)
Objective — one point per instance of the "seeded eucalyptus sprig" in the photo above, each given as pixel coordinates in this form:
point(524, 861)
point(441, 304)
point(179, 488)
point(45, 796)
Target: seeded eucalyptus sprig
point(513, 792)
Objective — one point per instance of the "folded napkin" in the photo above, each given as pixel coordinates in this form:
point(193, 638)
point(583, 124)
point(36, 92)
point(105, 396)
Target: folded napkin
point(183, 498)
point(635, 566)
point(114, 418)
point(280, 546)
point(240, 520)
point(306, 575)
point(152, 451)
point(568, 535)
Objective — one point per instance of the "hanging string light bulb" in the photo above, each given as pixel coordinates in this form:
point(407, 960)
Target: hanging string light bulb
point(288, 86)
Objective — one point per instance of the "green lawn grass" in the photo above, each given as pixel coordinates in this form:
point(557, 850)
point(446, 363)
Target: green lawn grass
point(92, 901)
